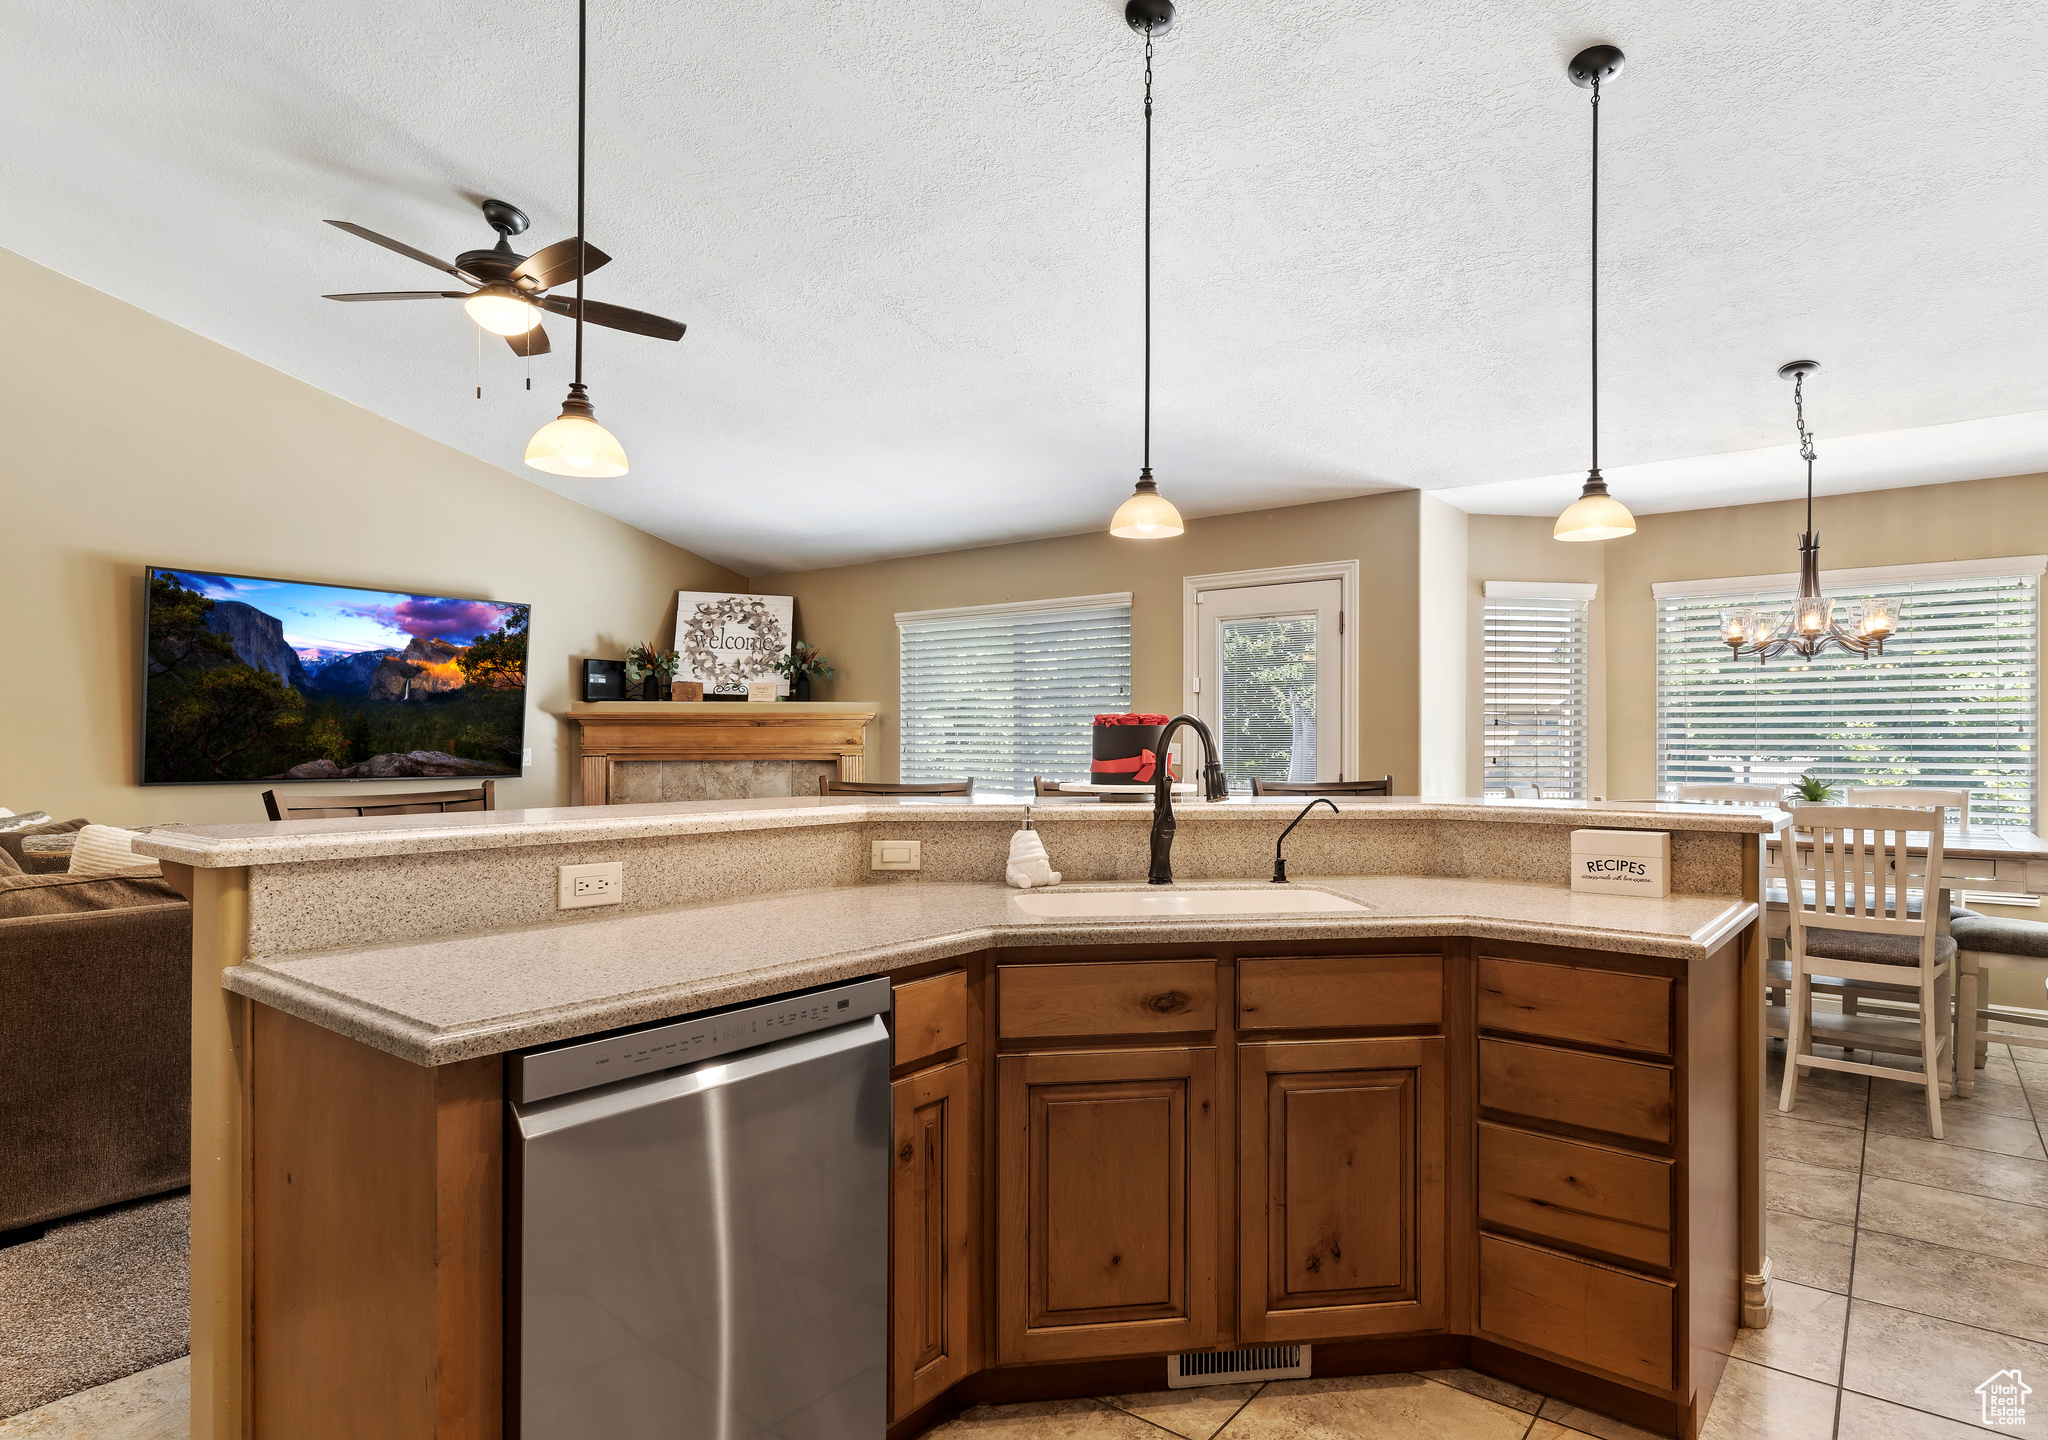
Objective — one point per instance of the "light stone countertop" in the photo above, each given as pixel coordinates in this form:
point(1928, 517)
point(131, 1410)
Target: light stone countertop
point(436, 1001)
point(298, 841)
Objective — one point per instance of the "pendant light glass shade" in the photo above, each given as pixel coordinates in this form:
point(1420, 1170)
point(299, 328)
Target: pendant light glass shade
point(1595, 515)
point(502, 310)
point(1147, 515)
point(574, 444)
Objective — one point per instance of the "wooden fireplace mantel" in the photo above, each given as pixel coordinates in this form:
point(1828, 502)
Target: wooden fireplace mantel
point(717, 730)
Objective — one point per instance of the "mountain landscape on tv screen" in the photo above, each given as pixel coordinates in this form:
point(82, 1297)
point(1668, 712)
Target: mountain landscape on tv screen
point(252, 679)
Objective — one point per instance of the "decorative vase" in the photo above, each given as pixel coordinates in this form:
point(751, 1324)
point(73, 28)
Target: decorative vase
point(800, 688)
point(1125, 749)
point(651, 688)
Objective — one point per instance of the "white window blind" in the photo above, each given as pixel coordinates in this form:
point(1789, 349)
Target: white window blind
point(1954, 701)
point(1003, 693)
point(1536, 687)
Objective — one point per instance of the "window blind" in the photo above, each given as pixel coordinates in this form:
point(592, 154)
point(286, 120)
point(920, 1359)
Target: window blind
point(1536, 671)
point(1953, 702)
point(1267, 698)
point(1005, 693)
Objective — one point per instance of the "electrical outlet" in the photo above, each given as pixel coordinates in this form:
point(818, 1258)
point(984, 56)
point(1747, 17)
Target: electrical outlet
point(579, 886)
point(897, 855)
point(526, 757)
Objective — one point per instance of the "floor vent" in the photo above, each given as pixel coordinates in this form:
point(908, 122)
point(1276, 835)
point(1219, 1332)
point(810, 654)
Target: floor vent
point(1232, 1367)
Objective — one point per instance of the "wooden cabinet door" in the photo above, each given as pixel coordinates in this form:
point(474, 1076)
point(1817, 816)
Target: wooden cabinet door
point(932, 1254)
point(1341, 1176)
point(1106, 1216)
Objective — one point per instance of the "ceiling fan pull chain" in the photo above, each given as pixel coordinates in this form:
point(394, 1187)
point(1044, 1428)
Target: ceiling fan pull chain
point(479, 362)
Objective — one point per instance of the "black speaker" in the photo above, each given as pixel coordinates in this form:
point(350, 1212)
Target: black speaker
point(604, 679)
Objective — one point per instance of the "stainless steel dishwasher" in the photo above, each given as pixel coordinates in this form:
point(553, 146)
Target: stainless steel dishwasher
point(698, 1242)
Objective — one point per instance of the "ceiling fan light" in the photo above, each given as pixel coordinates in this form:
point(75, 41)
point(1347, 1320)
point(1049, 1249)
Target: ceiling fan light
point(502, 310)
point(1147, 515)
point(1595, 515)
point(575, 445)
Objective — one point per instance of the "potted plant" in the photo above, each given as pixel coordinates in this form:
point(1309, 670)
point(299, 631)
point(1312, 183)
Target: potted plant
point(1812, 790)
point(799, 666)
point(651, 670)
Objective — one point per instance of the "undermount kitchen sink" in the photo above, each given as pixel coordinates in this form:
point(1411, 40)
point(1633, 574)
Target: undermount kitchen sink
point(1260, 900)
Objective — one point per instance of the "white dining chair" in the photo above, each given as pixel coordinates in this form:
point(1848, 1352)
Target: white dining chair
point(1728, 794)
point(1848, 871)
point(1916, 795)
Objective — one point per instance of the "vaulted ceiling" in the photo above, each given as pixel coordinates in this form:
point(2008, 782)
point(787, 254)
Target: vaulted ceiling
point(905, 238)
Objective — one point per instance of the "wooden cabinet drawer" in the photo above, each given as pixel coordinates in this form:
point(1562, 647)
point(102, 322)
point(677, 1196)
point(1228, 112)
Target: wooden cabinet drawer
point(1586, 1007)
point(1135, 997)
point(1594, 1092)
point(1585, 1195)
point(1621, 1323)
point(931, 1016)
point(1328, 991)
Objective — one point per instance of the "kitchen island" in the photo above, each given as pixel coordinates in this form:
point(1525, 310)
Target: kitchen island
point(1552, 1096)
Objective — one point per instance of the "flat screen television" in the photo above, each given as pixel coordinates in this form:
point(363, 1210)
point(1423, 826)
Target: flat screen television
point(247, 679)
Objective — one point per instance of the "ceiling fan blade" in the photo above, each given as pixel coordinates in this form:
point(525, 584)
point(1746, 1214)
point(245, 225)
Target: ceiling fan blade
point(616, 317)
point(403, 295)
point(555, 264)
point(399, 245)
point(533, 342)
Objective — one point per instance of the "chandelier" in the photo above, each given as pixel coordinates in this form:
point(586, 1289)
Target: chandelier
point(1810, 626)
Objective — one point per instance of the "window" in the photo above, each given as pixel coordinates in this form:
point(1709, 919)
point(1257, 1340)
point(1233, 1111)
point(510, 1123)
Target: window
point(1007, 692)
point(1536, 687)
point(1953, 701)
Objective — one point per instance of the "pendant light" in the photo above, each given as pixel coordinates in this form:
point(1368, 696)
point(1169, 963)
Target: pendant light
point(1811, 626)
point(1147, 515)
point(573, 443)
point(1595, 515)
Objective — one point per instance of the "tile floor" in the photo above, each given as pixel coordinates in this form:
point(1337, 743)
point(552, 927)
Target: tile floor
point(1908, 1271)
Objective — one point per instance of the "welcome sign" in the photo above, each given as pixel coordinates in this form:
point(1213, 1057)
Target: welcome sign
point(1622, 862)
point(725, 642)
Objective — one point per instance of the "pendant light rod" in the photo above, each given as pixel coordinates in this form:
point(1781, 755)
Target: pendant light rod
point(1147, 515)
point(1145, 466)
point(1593, 277)
point(1595, 515)
point(582, 86)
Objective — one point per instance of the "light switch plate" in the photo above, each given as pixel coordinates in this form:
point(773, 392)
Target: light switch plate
point(897, 855)
point(578, 887)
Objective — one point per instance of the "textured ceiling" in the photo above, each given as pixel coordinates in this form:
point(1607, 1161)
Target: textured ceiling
point(905, 240)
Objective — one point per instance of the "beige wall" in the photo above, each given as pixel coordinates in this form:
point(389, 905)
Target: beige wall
point(849, 611)
point(112, 465)
point(1969, 520)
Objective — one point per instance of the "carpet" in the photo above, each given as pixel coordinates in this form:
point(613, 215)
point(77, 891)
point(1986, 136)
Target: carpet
point(98, 1297)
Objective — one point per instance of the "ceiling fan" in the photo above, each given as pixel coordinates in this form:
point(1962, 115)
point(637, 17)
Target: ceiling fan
point(510, 289)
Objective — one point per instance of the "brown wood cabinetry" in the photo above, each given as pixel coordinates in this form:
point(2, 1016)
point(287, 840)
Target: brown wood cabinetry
point(1590, 1092)
point(1610, 1319)
point(1106, 1211)
point(932, 1225)
point(1144, 997)
point(1341, 1175)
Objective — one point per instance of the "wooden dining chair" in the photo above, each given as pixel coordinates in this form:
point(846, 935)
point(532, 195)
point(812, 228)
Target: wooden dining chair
point(1915, 795)
point(1704, 794)
point(829, 786)
point(1383, 786)
point(1986, 944)
point(1848, 871)
point(397, 802)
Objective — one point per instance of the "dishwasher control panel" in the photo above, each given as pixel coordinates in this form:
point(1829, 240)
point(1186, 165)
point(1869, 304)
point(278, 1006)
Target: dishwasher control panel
point(584, 1064)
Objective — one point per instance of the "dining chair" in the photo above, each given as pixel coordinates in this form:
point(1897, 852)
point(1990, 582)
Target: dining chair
point(1044, 789)
point(396, 802)
point(1917, 795)
point(829, 786)
point(1728, 794)
point(1986, 944)
point(1384, 786)
point(1519, 790)
point(1848, 871)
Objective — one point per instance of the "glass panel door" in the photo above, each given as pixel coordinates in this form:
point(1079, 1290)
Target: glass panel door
point(1269, 680)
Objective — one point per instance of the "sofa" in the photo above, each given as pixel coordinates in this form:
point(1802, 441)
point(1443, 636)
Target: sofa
point(95, 1042)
